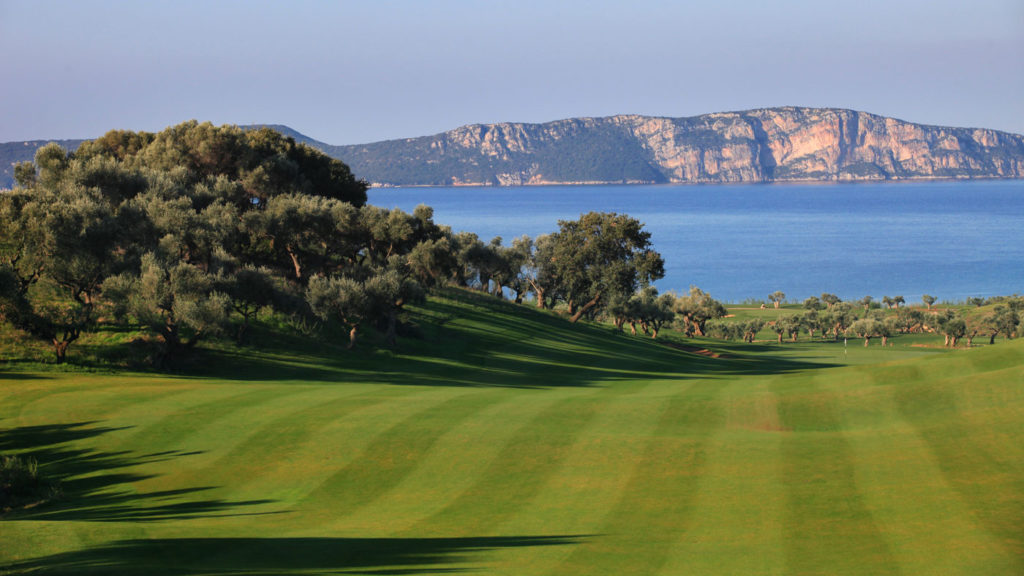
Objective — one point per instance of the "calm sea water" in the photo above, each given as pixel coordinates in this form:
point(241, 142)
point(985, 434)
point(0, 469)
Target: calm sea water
point(953, 240)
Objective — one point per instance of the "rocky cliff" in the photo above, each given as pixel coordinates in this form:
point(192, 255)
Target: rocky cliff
point(772, 144)
point(776, 144)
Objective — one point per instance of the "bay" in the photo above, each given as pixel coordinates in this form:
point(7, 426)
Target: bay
point(953, 240)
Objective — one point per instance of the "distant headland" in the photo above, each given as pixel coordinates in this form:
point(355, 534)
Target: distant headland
point(785, 144)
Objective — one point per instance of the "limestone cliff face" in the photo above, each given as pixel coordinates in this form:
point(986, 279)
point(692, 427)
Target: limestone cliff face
point(776, 144)
point(815, 144)
point(773, 144)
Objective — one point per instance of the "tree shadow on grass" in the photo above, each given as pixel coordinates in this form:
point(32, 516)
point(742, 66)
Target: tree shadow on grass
point(476, 340)
point(523, 347)
point(95, 484)
point(21, 376)
point(222, 556)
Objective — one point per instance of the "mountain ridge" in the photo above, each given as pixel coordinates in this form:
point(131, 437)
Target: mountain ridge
point(787, 144)
point(780, 144)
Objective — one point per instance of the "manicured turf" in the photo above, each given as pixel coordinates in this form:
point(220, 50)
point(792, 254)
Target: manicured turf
point(506, 441)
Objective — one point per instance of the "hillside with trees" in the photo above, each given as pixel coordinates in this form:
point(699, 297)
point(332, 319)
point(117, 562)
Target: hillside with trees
point(193, 231)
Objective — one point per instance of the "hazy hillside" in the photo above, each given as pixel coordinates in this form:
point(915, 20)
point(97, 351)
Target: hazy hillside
point(14, 152)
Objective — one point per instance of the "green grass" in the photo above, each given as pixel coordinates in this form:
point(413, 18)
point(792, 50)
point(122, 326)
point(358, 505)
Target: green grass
point(506, 441)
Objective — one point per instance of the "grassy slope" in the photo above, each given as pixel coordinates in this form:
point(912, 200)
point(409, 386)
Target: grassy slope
point(511, 443)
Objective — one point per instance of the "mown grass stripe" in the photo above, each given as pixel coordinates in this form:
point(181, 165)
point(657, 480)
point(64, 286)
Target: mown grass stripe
point(735, 524)
point(18, 397)
point(978, 450)
point(393, 453)
point(654, 508)
point(43, 538)
point(578, 471)
point(453, 463)
point(581, 492)
point(346, 439)
point(105, 403)
point(278, 458)
point(87, 415)
point(190, 420)
point(828, 527)
point(196, 454)
point(89, 403)
point(520, 470)
point(927, 524)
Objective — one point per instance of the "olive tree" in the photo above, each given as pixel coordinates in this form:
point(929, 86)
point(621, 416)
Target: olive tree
point(830, 300)
point(178, 301)
point(1000, 319)
point(61, 237)
point(340, 298)
point(814, 303)
point(599, 257)
point(695, 309)
point(812, 322)
point(652, 310)
point(376, 298)
point(791, 325)
point(540, 273)
point(251, 289)
point(839, 318)
point(751, 328)
point(868, 328)
point(950, 324)
point(303, 234)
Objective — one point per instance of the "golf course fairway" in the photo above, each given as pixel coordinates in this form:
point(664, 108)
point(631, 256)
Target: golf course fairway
point(503, 440)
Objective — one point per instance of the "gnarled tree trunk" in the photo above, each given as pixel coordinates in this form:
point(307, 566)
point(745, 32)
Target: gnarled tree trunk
point(352, 337)
point(60, 349)
point(583, 309)
point(539, 292)
point(295, 262)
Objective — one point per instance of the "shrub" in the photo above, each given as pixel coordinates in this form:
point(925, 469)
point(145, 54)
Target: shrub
point(21, 484)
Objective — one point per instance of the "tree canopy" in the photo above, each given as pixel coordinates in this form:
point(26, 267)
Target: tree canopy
point(600, 257)
point(158, 226)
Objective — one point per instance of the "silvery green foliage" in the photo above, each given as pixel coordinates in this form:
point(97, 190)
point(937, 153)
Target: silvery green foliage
point(64, 232)
point(868, 328)
point(178, 301)
point(696, 308)
point(340, 298)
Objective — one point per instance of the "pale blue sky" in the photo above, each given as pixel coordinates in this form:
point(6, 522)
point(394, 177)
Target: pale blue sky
point(360, 71)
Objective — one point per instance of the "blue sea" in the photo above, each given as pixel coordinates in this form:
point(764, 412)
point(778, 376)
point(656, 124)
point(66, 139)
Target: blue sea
point(953, 240)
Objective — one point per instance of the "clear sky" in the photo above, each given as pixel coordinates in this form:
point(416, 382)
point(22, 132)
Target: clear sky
point(348, 72)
